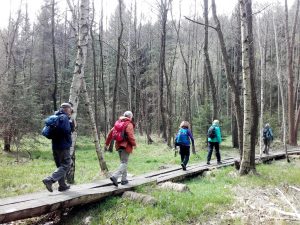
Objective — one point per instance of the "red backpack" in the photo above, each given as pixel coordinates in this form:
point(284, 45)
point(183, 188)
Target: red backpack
point(119, 130)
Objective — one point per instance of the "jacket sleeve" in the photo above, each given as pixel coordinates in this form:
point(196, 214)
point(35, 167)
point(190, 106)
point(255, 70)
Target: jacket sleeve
point(109, 137)
point(191, 137)
point(130, 134)
point(219, 136)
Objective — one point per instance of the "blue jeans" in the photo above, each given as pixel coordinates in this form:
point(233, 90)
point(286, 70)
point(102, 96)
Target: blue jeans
point(211, 146)
point(184, 154)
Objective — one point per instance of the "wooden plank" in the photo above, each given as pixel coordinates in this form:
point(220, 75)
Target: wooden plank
point(31, 205)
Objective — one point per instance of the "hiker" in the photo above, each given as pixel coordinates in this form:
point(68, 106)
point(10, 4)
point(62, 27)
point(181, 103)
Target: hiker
point(214, 140)
point(61, 143)
point(267, 137)
point(123, 134)
point(183, 140)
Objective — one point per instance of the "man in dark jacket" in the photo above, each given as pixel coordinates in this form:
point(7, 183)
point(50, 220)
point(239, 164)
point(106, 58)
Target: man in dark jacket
point(61, 143)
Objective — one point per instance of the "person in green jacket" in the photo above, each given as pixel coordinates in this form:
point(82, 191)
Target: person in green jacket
point(214, 139)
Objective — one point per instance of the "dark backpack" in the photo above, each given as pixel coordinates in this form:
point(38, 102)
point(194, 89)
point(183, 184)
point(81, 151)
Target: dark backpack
point(182, 137)
point(119, 133)
point(266, 134)
point(211, 133)
point(51, 124)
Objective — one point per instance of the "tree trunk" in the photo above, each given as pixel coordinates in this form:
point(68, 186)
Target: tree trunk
point(117, 73)
point(162, 58)
point(263, 59)
point(230, 79)
point(102, 70)
point(95, 83)
point(291, 79)
point(250, 102)
point(280, 83)
point(54, 57)
point(208, 65)
point(78, 76)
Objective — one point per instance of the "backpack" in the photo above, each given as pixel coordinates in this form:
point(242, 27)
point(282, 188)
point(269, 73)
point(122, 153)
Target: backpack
point(51, 124)
point(266, 134)
point(182, 137)
point(119, 134)
point(211, 133)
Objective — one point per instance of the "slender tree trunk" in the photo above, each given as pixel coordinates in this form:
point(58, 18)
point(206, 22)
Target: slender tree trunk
point(77, 81)
point(280, 83)
point(208, 65)
point(250, 102)
point(95, 83)
point(128, 64)
point(230, 79)
point(290, 41)
point(99, 152)
point(113, 119)
point(263, 59)
point(162, 58)
point(102, 70)
point(54, 57)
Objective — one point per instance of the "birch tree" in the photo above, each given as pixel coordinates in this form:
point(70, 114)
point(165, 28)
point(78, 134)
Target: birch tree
point(77, 82)
point(250, 101)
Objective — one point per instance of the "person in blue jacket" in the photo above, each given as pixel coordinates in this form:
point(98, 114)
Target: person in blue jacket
point(267, 138)
point(61, 143)
point(214, 139)
point(183, 140)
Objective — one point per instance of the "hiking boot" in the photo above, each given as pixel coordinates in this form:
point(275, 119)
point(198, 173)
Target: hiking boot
point(48, 183)
point(219, 163)
point(208, 163)
point(183, 166)
point(63, 188)
point(124, 182)
point(114, 180)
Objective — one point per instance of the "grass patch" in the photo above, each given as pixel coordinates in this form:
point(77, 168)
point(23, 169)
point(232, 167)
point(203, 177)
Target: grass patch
point(208, 197)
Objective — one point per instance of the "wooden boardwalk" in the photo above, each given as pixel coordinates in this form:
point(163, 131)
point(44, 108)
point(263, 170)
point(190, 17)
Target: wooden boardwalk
point(36, 204)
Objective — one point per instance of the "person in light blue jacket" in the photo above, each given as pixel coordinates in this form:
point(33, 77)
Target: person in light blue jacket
point(214, 139)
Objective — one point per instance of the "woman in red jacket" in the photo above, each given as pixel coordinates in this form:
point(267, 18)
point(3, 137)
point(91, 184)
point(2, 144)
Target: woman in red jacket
point(123, 134)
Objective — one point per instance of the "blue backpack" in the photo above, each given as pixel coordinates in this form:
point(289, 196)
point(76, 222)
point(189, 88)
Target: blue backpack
point(182, 137)
point(51, 124)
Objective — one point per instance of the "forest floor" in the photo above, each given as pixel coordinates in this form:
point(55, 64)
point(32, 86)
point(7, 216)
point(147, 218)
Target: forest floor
point(271, 196)
point(279, 204)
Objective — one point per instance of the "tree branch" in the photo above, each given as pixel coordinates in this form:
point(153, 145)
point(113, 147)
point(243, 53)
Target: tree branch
point(197, 22)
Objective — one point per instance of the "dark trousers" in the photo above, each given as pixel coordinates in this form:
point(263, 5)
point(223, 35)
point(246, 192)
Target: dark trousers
point(211, 146)
point(267, 143)
point(62, 160)
point(184, 154)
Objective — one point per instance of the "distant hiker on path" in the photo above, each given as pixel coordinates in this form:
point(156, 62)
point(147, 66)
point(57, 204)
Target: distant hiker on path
point(214, 140)
point(61, 143)
point(183, 140)
point(123, 134)
point(267, 137)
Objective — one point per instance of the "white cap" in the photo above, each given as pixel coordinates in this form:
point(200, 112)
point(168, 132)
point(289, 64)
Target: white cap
point(128, 114)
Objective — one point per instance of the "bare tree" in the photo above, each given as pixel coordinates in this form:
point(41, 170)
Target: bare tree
point(208, 65)
point(54, 94)
point(249, 93)
point(290, 41)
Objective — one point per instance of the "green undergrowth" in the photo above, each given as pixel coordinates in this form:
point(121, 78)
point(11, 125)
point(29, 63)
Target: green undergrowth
point(23, 174)
point(207, 197)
